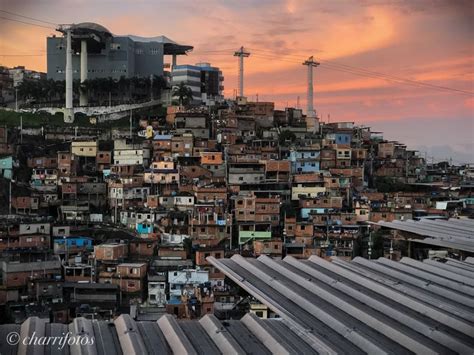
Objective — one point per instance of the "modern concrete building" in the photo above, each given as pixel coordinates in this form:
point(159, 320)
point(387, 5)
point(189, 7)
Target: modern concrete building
point(88, 50)
point(204, 80)
point(106, 55)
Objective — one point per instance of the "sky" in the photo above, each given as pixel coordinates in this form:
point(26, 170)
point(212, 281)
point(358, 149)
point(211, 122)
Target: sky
point(428, 41)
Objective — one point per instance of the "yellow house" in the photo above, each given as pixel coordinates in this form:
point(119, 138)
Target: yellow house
point(260, 310)
point(84, 148)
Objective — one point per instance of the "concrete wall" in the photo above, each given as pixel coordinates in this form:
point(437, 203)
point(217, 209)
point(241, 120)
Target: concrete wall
point(120, 57)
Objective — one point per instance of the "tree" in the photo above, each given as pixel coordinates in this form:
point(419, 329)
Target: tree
point(159, 83)
point(286, 136)
point(183, 93)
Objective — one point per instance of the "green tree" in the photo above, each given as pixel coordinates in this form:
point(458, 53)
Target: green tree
point(286, 136)
point(157, 86)
point(183, 93)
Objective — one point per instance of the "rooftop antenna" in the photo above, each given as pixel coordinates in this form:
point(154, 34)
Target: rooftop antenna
point(310, 63)
point(241, 53)
point(298, 101)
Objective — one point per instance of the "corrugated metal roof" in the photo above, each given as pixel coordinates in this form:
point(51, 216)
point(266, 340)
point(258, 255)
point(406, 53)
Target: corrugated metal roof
point(372, 306)
point(363, 306)
point(453, 233)
point(250, 335)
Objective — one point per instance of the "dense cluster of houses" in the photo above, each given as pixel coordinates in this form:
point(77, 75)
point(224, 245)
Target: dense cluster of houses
point(104, 223)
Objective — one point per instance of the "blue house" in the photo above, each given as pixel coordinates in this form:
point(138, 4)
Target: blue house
point(6, 167)
point(343, 138)
point(71, 245)
point(305, 160)
point(144, 228)
point(305, 212)
point(307, 166)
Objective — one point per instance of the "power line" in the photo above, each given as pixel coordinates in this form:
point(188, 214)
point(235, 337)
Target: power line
point(27, 23)
point(29, 18)
point(212, 51)
point(367, 73)
point(22, 55)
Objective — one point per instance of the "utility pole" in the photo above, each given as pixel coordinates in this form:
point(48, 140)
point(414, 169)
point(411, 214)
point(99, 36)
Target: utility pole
point(310, 63)
point(116, 202)
point(130, 123)
point(10, 197)
point(16, 99)
point(21, 129)
point(241, 53)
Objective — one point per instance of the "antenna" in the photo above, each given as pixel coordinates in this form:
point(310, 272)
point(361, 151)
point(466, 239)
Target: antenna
point(241, 53)
point(298, 101)
point(310, 63)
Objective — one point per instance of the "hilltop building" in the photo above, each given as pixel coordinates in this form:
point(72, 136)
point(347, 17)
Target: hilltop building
point(107, 55)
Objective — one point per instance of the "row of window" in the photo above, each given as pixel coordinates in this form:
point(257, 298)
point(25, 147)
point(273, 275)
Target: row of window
point(153, 51)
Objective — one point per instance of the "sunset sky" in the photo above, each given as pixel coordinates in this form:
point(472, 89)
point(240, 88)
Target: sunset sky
point(429, 41)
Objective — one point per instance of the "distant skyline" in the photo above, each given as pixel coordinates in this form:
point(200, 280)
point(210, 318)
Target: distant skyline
point(425, 40)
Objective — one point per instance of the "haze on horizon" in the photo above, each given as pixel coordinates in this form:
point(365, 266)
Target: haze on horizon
point(425, 40)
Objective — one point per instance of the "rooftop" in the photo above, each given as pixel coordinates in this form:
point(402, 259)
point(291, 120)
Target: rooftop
point(453, 233)
point(250, 335)
point(364, 306)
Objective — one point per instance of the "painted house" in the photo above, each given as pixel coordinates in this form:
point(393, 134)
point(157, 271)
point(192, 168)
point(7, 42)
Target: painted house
point(343, 138)
point(6, 167)
point(72, 245)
